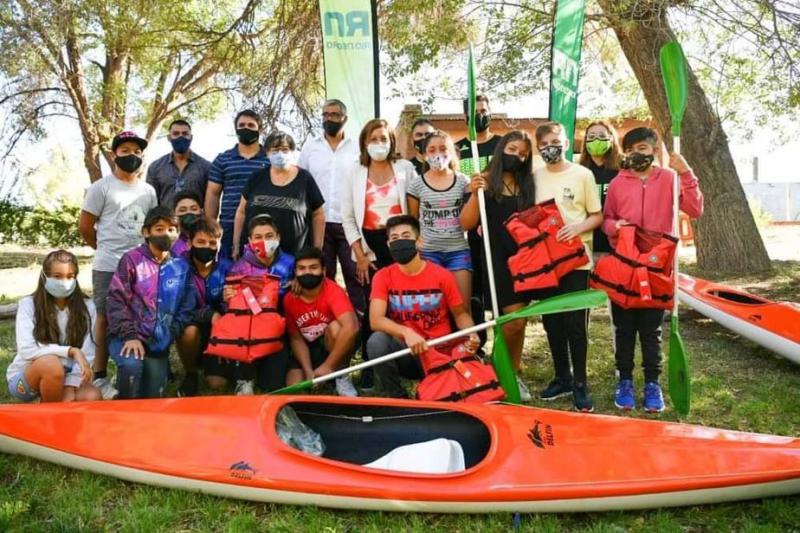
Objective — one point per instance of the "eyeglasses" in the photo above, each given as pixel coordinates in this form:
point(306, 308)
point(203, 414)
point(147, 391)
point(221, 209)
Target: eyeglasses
point(334, 115)
point(597, 137)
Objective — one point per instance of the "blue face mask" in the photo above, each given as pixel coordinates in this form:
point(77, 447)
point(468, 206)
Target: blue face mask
point(60, 288)
point(281, 159)
point(180, 144)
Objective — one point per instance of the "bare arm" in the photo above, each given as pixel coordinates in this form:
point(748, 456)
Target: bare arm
point(344, 340)
point(238, 224)
point(413, 206)
point(318, 227)
point(86, 228)
point(470, 216)
point(213, 194)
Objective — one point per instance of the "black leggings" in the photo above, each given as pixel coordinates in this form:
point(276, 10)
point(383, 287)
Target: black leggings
point(647, 324)
point(566, 332)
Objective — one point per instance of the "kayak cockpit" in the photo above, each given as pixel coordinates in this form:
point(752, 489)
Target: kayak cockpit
point(379, 435)
point(738, 297)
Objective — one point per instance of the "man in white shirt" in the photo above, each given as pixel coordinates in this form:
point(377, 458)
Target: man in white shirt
point(326, 157)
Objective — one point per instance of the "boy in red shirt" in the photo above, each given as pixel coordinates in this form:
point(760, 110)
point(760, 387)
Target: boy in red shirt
point(411, 301)
point(321, 323)
point(641, 194)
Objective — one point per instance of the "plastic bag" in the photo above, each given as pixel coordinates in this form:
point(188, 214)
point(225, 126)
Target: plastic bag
point(299, 436)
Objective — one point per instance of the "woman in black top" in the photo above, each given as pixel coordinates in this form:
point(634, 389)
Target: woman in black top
point(288, 194)
point(601, 155)
point(509, 188)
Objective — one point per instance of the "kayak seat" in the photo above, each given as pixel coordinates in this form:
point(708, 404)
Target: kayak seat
point(438, 456)
point(740, 298)
point(364, 434)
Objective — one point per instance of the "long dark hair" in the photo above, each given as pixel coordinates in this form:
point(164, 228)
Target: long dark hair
point(45, 325)
point(523, 176)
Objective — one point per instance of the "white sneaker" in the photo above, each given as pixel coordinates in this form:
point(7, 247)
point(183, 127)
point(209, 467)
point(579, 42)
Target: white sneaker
point(524, 392)
point(244, 388)
point(344, 387)
point(107, 390)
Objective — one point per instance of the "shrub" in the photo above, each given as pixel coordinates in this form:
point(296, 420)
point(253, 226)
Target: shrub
point(37, 226)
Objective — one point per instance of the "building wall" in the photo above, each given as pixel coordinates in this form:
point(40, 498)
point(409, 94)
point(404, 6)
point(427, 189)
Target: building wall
point(780, 200)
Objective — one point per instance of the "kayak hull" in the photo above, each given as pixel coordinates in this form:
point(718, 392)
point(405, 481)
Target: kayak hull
point(772, 325)
point(535, 460)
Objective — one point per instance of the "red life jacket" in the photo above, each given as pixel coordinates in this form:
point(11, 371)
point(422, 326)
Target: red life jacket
point(542, 260)
point(458, 377)
point(638, 273)
point(251, 328)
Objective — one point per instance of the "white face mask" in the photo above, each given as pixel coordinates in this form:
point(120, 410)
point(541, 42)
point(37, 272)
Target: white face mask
point(439, 161)
point(378, 151)
point(270, 246)
point(59, 288)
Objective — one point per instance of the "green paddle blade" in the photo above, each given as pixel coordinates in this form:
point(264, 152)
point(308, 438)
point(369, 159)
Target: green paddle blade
point(573, 301)
point(676, 85)
point(471, 95)
point(296, 388)
point(678, 371)
point(501, 360)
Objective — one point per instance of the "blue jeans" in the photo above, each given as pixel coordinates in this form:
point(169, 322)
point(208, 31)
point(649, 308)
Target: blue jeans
point(139, 378)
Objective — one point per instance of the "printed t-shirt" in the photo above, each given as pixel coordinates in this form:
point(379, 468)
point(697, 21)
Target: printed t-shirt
point(575, 193)
point(290, 205)
point(438, 214)
point(422, 301)
point(382, 202)
point(311, 319)
point(485, 153)
point(120, 208)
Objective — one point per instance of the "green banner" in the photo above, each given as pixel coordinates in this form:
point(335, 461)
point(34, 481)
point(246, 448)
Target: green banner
point(565, 65)
point(350, 51)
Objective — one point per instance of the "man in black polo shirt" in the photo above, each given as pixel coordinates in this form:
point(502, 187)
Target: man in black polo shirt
point(487, 142)
point(179, 170)
point(420, 131)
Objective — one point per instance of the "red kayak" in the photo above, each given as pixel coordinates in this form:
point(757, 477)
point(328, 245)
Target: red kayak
point(773, 325)
point(400, 455)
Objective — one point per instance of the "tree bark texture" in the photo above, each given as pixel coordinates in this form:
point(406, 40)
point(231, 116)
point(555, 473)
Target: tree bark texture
point(726, 235)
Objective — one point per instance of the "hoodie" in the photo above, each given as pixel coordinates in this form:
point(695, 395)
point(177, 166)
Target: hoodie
point(648, 203)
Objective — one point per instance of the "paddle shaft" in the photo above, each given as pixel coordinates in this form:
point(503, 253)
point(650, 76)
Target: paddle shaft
point(487, 245)
point(403, 352)
point(676, 192)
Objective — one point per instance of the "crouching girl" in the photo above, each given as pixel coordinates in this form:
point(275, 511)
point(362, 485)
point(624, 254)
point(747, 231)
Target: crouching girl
point(55, 341)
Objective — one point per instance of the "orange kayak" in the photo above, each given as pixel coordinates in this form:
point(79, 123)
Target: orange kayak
point(512, 458)
point(773, 325)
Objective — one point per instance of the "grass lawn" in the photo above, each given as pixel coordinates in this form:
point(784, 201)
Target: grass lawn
point(736, 385)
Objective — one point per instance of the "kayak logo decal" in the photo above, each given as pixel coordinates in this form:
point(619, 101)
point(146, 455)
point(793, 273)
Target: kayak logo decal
point(754, 318)
point(541, 435)
point(242, 470)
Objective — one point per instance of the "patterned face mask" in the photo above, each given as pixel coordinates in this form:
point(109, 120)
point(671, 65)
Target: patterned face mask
point(551, 154)
point(439, 161)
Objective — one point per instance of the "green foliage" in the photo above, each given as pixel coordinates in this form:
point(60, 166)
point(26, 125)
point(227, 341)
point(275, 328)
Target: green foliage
point(38, 226)
point(762, 217)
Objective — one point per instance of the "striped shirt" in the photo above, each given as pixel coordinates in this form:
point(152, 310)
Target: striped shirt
point(232, 171)
point(438, 214)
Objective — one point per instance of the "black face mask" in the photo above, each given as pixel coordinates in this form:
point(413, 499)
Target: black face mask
point(309, 281)
point(332, 128)
point(482, 122)
point(161, 242)
point(129, 163)
point(419, 144)
point(247, 136)
point(203, 255)
point(187, 219)
point(512, 163)
point(638, 161)
point(403, 251)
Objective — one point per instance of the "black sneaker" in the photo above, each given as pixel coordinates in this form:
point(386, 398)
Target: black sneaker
point(556, 389)
point(189, 385)
point(367, 380)
point(582, 399)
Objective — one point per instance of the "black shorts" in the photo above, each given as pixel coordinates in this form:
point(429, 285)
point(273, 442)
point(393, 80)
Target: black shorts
point(317, 352)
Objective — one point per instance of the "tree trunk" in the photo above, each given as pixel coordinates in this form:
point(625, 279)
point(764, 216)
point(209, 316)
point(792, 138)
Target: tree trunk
point(726, 235)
